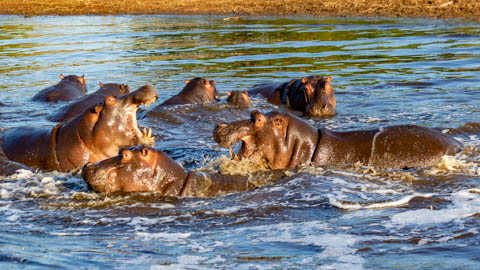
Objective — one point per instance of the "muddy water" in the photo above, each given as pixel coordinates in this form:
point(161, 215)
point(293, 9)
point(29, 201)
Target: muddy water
point(384, 72)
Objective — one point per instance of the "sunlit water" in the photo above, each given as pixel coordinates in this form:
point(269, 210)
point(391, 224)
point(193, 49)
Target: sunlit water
point(384, 72)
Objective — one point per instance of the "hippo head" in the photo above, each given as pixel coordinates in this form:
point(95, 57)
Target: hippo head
point(110, 126)
point(138, 168)
point(323, 101)
point(201, 89)
point(276, 136)
point(239, 99)
point(74, 79)
point(115, 88)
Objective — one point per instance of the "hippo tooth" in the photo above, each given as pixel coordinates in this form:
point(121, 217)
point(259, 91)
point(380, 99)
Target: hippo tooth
point(233, 155)
point(150, 132)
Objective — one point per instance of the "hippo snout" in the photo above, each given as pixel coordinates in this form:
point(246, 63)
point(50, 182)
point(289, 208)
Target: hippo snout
point(320, 110)
point(145, 94)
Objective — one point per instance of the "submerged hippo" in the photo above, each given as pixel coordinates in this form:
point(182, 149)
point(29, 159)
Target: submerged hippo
point(73, 109)
point(198, 90)
point(286, 141)
point(69, 88)
point(98, 133)
point(142, 169)
point(239, 99)
point(311, 95)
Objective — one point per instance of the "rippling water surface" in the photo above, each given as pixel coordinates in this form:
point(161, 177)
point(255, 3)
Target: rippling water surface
point(384, 72)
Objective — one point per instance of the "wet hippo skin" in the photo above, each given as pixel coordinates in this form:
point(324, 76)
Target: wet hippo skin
point(286, 141)
point(144, 169)
point(197, 90)
point(75, 108)
point(239, 99)
point(69, 88)
point(311, 95)
point(98, 133)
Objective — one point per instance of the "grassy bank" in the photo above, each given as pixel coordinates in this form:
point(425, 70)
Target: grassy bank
point(464, 9)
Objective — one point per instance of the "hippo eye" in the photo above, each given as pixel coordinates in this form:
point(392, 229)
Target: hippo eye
point(126, 156)
point(144, 151)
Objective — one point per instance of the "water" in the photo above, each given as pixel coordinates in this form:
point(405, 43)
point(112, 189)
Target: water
point(385, 72)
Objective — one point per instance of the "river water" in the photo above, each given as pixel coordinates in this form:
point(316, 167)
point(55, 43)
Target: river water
point(385, 72)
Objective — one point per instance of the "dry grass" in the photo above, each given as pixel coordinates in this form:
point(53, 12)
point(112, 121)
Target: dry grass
point(466, 9)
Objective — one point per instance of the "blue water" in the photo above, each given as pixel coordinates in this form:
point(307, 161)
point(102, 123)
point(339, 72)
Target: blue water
point(385, 72)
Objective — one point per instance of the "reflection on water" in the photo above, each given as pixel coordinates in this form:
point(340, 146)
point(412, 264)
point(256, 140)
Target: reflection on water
point(384, 72)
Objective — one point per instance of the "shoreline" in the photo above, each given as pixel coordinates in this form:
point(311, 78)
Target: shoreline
point(433, 9)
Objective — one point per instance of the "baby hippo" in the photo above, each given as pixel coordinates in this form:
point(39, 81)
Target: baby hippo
point(239, 99)
point(69, 88)
point(197, 90)
point(144, 169)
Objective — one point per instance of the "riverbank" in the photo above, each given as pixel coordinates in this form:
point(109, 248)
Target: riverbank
point(445, 9)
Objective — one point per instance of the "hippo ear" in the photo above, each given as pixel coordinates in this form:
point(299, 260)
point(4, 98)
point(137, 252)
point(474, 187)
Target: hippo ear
point(100, 84)
point(187, 81)
point(83, 76)
point(304, 80)
point(125, 88)
point(98, 109)
point(61, 76)
point(329, 79)
point(245, 92)
point(229, 93)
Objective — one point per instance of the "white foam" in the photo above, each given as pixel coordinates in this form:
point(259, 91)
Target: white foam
point(388, 204)
point(464, 204)
point(164, 236)
point(4, 194)
point(336, 247)
point(22, 174)
point(228, 210)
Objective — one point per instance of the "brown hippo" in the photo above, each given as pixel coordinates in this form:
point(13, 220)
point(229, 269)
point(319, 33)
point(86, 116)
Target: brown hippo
point(142, 169)
point(286, 141)
point(98, 133)
point(73, 109)
point(69, 88)
point(239, 99)
point(197, 90)
point(311, 95)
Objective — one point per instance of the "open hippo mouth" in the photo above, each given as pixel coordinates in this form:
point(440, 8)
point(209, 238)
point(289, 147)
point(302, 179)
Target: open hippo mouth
point(145, 95)
point(117, 123)
point(226, 135)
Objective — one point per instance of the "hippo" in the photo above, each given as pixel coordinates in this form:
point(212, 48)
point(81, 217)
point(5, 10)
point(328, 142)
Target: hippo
point(144, 169)
point(286, 141)
point(73, 109)
point(239, 99)
point(313, 95)
point(69, 88)
point(197, 90)
point(98, 133)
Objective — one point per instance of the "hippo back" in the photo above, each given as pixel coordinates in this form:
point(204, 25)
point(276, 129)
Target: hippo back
point(408, 146)
point(77, 107)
